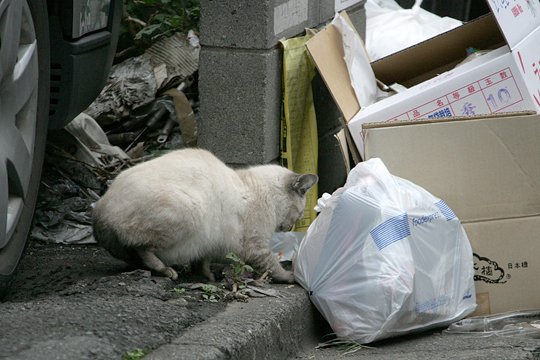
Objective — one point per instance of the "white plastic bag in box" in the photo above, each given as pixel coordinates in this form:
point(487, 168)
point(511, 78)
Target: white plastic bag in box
point(385, 257)
point(390, 28)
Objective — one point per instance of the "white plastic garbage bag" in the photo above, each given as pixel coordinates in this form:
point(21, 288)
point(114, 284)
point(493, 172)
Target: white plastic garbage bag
point(385, 257)
point(285, 244)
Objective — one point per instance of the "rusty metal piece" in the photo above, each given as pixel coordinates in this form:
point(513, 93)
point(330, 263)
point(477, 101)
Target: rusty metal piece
point(166, 130)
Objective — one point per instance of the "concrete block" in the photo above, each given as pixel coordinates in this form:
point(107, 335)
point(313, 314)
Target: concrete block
point(326, 10)
point(357, 14)
point(355, 10)
point(254, 24)
point(240, 93)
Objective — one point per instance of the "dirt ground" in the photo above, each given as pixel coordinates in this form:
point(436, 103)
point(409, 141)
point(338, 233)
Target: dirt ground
point(78, 302)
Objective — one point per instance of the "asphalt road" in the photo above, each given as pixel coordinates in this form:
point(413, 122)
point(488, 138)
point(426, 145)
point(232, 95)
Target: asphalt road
point(77, 302)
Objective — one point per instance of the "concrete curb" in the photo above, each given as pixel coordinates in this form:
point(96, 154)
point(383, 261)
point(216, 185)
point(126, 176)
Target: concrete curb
point(262, 328)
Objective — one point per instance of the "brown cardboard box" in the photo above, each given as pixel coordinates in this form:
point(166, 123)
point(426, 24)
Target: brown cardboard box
point(483, 168)
point(507, 264)
point(488, 171)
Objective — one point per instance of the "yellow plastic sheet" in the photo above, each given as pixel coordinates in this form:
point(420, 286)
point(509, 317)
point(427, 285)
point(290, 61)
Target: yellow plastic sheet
point(299, 147)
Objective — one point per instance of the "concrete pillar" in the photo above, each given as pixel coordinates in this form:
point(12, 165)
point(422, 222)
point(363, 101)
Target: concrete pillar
point(240, 71)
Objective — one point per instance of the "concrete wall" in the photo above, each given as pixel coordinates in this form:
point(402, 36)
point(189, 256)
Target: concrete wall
point(240, 71)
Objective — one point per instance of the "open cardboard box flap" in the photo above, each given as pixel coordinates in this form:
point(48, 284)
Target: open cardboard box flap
point(469, 89)
point(409, 66)
point(440, 53)
point(394, 123)
point(326, 50)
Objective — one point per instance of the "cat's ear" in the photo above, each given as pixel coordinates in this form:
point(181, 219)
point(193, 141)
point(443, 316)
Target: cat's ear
point(302, 183)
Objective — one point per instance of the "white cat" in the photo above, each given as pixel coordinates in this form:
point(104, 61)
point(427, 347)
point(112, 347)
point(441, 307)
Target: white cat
point(188, 206)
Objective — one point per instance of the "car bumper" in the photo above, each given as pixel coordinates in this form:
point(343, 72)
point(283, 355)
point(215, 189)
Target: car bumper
point(79, 67)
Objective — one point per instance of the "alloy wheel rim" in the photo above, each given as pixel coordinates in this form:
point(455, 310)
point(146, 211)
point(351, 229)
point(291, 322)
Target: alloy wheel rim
point(19, 71)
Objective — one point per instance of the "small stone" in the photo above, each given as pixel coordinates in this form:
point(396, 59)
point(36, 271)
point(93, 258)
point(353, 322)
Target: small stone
point(178, 302)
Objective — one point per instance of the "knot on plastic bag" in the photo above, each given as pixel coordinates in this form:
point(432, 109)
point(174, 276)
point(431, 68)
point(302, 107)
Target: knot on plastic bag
point(416, 7)
point(322, 202)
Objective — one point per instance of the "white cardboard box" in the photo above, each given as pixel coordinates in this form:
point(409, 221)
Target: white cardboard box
point(504, 80)
point(489, 84)
point(516, 18)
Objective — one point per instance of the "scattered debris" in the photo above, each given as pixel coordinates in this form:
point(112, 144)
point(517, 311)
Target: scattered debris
point(148, 107)
point(139, 80)
point(213, 293)
point(267, 292)
point(525, 323)
point(346, 346)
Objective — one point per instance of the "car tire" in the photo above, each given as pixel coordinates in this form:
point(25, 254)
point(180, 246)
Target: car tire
point(24, 111)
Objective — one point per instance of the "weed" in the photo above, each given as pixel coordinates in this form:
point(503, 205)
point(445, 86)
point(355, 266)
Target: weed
point(135, 354)
point(535, 352)
point(210, 293)
point(237, 272)
point(210, 298)
point(147, 20)
point(179, 290)
point(209, 288)
point(343, 345)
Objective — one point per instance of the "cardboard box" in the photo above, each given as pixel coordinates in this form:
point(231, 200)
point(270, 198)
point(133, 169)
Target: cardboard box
point(503, 80)
point(484, 168)
point(506, 263)
point(507, 79)
point(488, 171)
point(491, 83)
point(487, 168)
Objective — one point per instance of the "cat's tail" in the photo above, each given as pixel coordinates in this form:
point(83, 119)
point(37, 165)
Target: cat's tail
point(107, 237)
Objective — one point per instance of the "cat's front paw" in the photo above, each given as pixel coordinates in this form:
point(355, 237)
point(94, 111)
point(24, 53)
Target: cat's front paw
point(283, 277)
point(169, 272)
point(290, 278)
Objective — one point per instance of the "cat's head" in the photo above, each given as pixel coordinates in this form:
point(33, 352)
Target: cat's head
point(297, 187)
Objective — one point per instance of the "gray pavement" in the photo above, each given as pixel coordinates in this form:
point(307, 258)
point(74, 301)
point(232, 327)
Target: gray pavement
point(290, 327)
point(76, 302)
point(436, 345)
point(262, 328)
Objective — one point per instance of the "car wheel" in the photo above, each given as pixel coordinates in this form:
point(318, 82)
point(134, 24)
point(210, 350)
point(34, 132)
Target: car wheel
point(24, 106)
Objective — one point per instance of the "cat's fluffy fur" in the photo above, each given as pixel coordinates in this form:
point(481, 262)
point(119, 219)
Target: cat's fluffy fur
point(188, 206)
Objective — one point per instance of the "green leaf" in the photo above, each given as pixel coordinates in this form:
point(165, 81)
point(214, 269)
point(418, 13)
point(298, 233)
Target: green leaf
point(232, 256)
point(208, 288)
point(147, 31)
point(135, 354)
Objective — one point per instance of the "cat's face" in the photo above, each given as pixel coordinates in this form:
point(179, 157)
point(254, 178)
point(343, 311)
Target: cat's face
point(296, 211)
point(296, 197)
